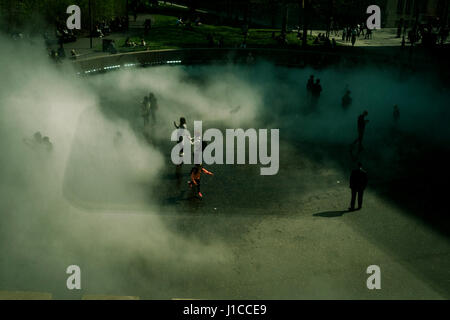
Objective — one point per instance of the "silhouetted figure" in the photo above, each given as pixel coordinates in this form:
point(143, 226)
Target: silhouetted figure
point(112, 47)
point(61, 51)
point(181, 135)
point(37, 137)
point(47, 144)
point(358, 182)
point(333, 43)
point(38, 142)
point(315, 93)
point(182, 124)
point(362, 122)
point(316, 89)
point(147, 26)
point(310, 84)
point(353, 37)
point(346, 99)
point(145, 110)
point(153, 105)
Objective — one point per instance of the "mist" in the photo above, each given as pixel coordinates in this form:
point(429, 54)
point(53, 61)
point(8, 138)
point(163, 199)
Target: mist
point(91, 201)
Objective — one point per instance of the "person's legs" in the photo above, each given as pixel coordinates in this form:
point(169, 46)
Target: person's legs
point(198, 188)
point(360, 198)
point(153, 116)
point(360, 139)
point(352, 202)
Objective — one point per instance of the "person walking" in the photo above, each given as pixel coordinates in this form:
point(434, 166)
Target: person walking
point(362, 122)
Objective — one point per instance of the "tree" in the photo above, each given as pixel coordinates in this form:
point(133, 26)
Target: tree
point(284, 18)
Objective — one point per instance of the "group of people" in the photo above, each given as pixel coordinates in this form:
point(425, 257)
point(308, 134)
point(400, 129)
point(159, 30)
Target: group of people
point(106, 27)
point(149, 106)
point(131, 44)
point(323, 38)
point(351, 33)
point(39, 142)
point(188, 22)
point(358, 178)
point(313, 88)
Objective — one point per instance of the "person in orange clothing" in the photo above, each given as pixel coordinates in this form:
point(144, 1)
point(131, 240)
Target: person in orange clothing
point(196, 173)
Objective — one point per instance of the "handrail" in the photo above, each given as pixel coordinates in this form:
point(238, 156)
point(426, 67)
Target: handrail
point(284, 57)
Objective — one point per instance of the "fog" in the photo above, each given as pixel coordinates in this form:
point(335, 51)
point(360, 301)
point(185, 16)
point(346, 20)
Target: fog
point(91, 201)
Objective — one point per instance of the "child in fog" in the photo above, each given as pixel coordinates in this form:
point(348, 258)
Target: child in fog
point(181, 135)
point(196, 173)
point(182, 124)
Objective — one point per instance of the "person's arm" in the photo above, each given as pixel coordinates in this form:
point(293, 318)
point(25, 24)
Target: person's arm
point(207, 172)
point(192, 178)
point(175, 124)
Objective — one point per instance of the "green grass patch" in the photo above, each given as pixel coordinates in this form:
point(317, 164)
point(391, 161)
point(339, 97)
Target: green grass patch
point(165, 34)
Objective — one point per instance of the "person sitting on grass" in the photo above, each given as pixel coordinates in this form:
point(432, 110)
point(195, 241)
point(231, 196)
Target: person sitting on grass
point(129, 43)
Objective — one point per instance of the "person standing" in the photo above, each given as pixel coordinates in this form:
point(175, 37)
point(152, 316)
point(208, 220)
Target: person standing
point(346, 99)
point(362, 122)
point(317, 89)
point(182, 134)
point(358, 183)
point(145, 110)
point(353, 37)
point(153, 105)
point(310, 84)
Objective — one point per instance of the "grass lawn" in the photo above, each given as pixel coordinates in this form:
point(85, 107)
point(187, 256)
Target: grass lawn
point(164, 34)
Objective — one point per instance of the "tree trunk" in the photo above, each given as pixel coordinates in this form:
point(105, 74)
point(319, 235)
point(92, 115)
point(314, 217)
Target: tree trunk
point(284, 19)
point(305, 4)
point(273, 13)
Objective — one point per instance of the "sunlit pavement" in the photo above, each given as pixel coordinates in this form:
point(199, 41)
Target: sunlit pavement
point(291, 241)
